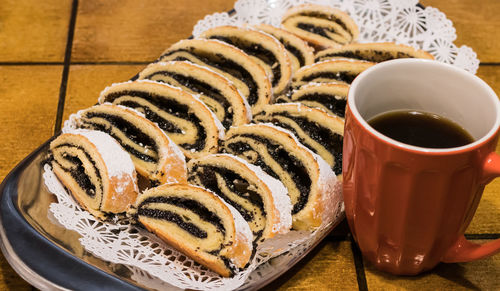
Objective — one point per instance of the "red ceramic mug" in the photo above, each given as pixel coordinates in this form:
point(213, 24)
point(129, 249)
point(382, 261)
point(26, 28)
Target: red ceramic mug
point(408, 207)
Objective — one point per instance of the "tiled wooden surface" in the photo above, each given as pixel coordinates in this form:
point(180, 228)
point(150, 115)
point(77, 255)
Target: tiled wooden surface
point(112, 40)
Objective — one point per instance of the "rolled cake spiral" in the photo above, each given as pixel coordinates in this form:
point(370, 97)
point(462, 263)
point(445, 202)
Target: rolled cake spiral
point(198, 223)
point(299, 52)
point(330, 97)
point(372, 52)
point(99, 174)
point(216, 91)
point(334, 71)
point(155, 156)
point(259, 198)
point(248, 76)
point(321, 26)
point(320, 132)
point(308, 178)
point(183, 117)
point(266, 50)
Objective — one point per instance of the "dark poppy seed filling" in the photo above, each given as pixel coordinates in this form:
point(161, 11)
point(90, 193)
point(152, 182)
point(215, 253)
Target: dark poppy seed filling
point(326, 17)
point(201, 87)
point(290, 164)
point(234, 182)
point(222, 63)
point(175, 218)
point(315, 29)
point(78, 170)
point(295, 52)
point(256, 50)
point(240, 148)
point(332, 141)
point(375, 55)
point(185, 203)
point(344, 76)
point(129, 129)
point(337, 106)
point(167, 105)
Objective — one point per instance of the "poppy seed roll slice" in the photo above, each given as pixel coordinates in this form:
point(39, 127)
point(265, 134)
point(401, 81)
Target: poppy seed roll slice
point(320, 132)
point(155, 156)
point(334, 71)
point(330, 97)
point(261, 199)
point(321, 26)
point(216, 91)
point(248, 76)
point(99, 174)
point(198, 223)
point(308, 178)
point(183, 117)
point(372, 52)
point(266, 50)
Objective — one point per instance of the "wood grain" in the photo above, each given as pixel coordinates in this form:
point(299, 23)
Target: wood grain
point(29, 97)
point(129, 30)
point(33, 31)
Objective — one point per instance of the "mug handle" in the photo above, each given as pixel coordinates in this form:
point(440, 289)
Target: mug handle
point(464, 250)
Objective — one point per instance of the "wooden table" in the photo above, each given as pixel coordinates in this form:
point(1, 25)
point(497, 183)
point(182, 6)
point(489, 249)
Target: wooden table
point(56, 56)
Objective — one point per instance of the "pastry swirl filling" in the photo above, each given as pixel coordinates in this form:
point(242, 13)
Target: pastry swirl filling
point(230, 69)
point(235, 190)
point(334, 71)
point(75, 161)
point(276, 161)
point(190, 215)
point(320, 132)
point(189, 123)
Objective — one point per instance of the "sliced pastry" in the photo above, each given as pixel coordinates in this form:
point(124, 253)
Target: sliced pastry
point(320, 132)
point(321, 26)
point(248, 76)
point(263, 48)
point(372, 52)
point(198, 223)
point(308, 178)
point(99, 174)
point(183, 117)
point(299, 52)
point(261, 199)
point(334, 71)
point(330, 97)
point(216, 91)
point(155, 156)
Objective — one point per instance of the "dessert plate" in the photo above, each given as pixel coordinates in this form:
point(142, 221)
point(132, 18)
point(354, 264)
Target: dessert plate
point(49, 256)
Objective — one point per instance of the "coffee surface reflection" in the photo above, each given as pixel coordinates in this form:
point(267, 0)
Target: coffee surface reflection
point(421, 129)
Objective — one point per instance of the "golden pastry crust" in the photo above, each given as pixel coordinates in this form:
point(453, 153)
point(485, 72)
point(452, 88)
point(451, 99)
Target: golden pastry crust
point(266, 50)
point(228, 61)
point(321, 26)
point(333, 71)
point(235, 244)
point(182, 74)
point(155, 100)
point(162, 161)
point(372, 52)
point(115, 193)
point(316, 210)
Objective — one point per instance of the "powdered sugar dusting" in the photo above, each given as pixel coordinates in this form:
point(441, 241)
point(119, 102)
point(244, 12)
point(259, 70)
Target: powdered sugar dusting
point(116, 159)
point(281, 200)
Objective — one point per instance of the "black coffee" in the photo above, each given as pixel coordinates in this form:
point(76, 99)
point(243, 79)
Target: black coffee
point(421, 129)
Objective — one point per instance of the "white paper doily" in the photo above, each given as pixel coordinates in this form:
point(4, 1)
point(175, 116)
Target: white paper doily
point(400, 21)
point(155, 264)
